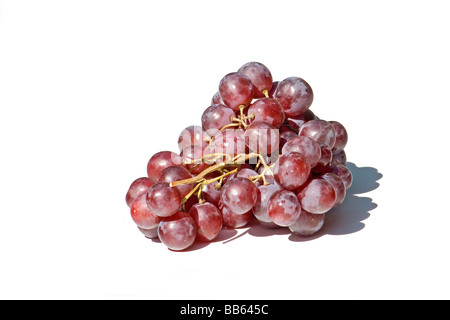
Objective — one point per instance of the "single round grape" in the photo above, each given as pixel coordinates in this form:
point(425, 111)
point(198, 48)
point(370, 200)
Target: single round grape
point(217, 99)
point(306, 146)
point(163, 200)
point(215, 118)
point(344, 173)
point(325, 160)
point(239, 195)
point(178, 231)
point(267, 110)
point(161, 160)
point(260, 209)
point(320, 131)
point(142, 215)
point(233, 220)
point(339, 158)
point(291, 170)
point(176, 173)
point(284, 208)
point(259, 75)
point(236, 89)
point(295, 96)
point(338, 185)
point(307, 224)
point(192, 136)
point(262, 138)
point(194, 153)
point(211, 194)
point(149, 233)
point(138, 187)
point(229, 142)
point(341, 136)
point(208, 221)
point(318, 196)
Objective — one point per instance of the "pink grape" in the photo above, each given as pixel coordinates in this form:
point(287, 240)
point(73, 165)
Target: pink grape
point(291, 171)
point(163, 200)
point(161, 160)
point(341, 136)
point(306, 147)
point(307, 224)
point(295, 96)
point(192, 136)
point(239, 195)
point(273, 89)
point(208, 220)
point(259, 75)
point(318, 196)
point(233, 220)
point(320, 131)
point(138, 187)
point(338, 185)
point(142, 215)
point(178, 231)
point(296, 122)
point(260, 209)
point(217, 99)
point(236, 89)
point(211, 194)
point(176, 173)
point(267, 110)
point(284, 208)
point(344, 173)
point(285, 136)
point(229, 142)
point(215, 118)
point(262, 138)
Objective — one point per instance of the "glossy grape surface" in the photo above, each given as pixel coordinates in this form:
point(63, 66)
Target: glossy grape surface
point(161, 160)
point(142, 215)
point(291, 171)
point(208, 220)
point(236, 89)
point(215, 118)
point(318, 196)
point(163, 200)
point(262, 138)
point(295, 96)
point(307, 224)
point(284, 208)
point(259, 75)
point(138, 187)
point(267, 110)
point(239, 195)
point(178, 231)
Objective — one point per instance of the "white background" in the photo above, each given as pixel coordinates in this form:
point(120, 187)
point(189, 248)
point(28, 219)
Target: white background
point(90, 90)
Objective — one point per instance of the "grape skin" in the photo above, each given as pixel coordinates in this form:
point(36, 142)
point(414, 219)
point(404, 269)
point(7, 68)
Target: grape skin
point(295, 96)
point(163, 200)
point(233, 220)
point(319, 130)
point(236, 89)
point(259, 75)
point(260, 210)
point(267, 110)
point(317, 197)
point(159, 161)
point(306, 147)
point(215, 118)
point(341, 136)
point(142, 215)
point(291, 171)
point(176, 173)
point(208, 221)
point(307, 224)
point(262, 138)
point(192, 136)
point(338, 185)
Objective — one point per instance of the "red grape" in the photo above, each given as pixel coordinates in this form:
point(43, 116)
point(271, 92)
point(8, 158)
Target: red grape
point(160, 161)
point(296, 122)
point(236, 89)
point(217, 99)
point(192, 136)
point(284, 208)
point(324, 161)
point(273, 89)
point(260, 209)
point(150, 233)
point(259, 75)
point(291, 171)
point(319, 130)
point(318, 196)
point(163, 200)
point(233, 220)
point(342, 172)
point(176, 173)
point(339, 158)
point(307, 147)
point(267, 110)
point(215, 118)
point(338, 185)
point(239, 195)
point(211, 194)
point(307, 224)
point(341, 136)
point(194, 153)
point(262, 138)
point(208, 220)
point(285, 136)
point(178, 231)
point(138, 187)
point(295, 96)
point(229, 142)
point(142, 215)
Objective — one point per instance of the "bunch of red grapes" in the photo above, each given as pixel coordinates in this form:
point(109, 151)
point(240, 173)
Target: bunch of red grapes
point(260, 153)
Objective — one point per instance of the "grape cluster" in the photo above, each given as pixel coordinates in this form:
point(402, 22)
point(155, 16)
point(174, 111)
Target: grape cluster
point(260, 153)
